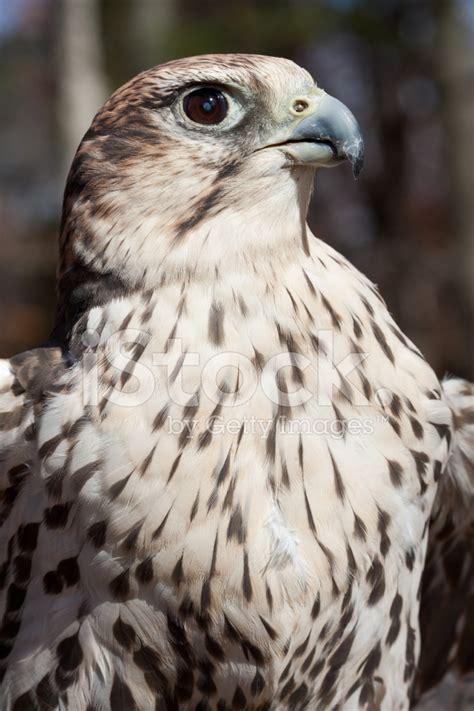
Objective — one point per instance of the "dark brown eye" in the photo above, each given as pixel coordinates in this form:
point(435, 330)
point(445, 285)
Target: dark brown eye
point(206, 106)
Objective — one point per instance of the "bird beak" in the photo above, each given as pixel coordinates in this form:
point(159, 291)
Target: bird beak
point(327, 134)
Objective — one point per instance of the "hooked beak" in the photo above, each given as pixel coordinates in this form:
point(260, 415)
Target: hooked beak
point(327, 135)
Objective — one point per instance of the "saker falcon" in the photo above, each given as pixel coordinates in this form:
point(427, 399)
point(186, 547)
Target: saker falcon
point(228, 480)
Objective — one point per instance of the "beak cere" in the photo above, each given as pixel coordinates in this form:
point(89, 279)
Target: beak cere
point(329, 135)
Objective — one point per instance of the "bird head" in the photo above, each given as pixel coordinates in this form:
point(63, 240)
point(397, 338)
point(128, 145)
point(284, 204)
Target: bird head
point(198, 163)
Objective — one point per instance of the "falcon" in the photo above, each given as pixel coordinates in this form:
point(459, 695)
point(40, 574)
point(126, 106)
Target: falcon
point(229, 481)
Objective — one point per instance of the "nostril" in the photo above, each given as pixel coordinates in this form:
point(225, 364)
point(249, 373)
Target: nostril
point(300, 105)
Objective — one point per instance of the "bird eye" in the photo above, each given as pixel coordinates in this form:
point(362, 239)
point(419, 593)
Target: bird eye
point(206, 106)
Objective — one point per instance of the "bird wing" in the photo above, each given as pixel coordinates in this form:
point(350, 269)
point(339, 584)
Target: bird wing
point(16, 416)
point(26, 382)
point(446, 668)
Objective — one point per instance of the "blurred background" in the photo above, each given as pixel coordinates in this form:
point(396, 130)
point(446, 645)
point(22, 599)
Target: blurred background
point(404, 67)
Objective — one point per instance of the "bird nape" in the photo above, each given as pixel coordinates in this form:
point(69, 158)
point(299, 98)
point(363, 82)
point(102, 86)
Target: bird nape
point(229, 481)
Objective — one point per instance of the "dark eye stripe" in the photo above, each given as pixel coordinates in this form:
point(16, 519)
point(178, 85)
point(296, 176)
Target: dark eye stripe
point(206, 106)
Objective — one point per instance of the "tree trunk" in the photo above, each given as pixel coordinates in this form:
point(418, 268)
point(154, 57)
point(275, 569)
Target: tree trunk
point(82, 82)
point(456, 73)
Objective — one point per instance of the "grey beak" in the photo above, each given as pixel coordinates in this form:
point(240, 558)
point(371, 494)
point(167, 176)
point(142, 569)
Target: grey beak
point(332, 123)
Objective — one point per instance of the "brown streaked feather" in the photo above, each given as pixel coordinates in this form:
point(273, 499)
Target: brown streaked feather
point(447, 596)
